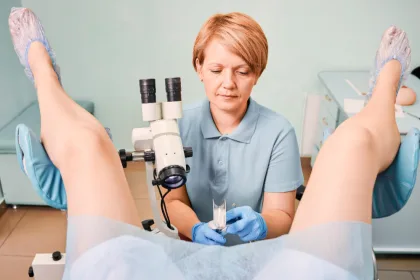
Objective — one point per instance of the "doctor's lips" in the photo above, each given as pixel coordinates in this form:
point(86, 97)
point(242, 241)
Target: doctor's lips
point(227, 95)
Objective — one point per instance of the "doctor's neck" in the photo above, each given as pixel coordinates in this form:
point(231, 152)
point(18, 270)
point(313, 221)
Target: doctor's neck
point(227, 121)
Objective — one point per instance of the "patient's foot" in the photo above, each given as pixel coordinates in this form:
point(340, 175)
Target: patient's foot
point(30, 43)
point(394, 46)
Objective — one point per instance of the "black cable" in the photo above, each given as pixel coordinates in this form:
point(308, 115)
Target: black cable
point(164, 210)
point(163, 205)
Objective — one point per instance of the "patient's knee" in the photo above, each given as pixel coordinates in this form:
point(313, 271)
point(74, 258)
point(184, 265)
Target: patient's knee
point(85, 142)
point(357, 138)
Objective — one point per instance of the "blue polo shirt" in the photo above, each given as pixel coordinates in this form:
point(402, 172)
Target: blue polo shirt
point(260, 155)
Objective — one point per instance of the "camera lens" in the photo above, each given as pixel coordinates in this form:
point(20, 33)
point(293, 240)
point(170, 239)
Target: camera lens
point(148, 91)
point(173, 89)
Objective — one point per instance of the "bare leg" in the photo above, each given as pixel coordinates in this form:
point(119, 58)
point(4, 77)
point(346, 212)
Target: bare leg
point(341, 184)
point(75, 141)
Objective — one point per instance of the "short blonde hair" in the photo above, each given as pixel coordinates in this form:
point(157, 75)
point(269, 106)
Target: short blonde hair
point(240, 33)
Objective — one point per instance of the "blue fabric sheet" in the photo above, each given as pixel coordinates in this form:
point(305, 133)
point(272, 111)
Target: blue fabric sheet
point(99, 248)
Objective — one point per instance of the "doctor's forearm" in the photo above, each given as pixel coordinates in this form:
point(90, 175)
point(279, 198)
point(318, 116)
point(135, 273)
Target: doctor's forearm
point(182, 216)
point(278, 223)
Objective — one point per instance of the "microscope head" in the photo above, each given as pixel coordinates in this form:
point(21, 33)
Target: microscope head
point(161, 141)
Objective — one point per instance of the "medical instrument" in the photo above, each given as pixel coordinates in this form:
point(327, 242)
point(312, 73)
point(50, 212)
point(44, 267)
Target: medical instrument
point(219, 215)
point(159, 145)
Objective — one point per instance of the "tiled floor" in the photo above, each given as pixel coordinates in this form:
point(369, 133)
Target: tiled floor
point(29, 230)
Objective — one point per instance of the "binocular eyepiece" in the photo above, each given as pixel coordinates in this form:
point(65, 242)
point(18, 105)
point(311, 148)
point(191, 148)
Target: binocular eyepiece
point(148, 90)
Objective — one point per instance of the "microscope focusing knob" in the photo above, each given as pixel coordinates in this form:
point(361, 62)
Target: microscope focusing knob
point(123, 157)
point(31, 272)
point(56, 256)
point(149, 156)
point(188, 152)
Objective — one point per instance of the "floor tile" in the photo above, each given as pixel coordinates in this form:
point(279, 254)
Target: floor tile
point(306, 173)
point(145, 209)
point(416, 275)
point(136, 178)
point(395, 275)
point(15, 268)
point(9, 221)
point(398, 262)
point(41, 230)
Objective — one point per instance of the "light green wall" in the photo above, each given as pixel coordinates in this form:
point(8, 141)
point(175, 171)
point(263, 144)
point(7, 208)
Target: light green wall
point(16, 91)
point(105, 47)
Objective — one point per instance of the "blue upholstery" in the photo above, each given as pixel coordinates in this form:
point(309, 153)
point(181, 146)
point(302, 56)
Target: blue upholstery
point(15, 184)
point(393, 187)
point(29, 116)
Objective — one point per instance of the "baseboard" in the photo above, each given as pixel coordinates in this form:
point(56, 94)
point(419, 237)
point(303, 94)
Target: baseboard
point(3, 207)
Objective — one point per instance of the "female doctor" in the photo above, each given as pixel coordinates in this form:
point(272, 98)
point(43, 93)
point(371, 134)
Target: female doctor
point(244, 153)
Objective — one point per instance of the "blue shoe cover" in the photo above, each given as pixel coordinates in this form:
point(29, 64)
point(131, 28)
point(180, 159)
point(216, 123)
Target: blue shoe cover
point(44, 176)
point(393, 187)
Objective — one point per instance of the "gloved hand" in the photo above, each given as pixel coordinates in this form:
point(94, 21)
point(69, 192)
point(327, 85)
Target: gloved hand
point(202, 233)
point(249, 225)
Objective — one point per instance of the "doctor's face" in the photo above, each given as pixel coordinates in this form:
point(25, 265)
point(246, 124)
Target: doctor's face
point(228, 80)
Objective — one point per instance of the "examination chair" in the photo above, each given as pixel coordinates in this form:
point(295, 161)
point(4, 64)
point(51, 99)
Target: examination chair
point(393, 187)
point(15, 185)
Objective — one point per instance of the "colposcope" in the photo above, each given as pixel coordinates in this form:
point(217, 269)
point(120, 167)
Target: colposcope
point(160, 147)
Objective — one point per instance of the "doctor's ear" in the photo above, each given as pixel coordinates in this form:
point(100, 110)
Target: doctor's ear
point(199, 69)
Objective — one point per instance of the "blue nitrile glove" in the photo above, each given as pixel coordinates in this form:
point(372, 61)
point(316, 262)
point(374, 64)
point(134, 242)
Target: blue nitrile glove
point(202, 233)
point(249, 225)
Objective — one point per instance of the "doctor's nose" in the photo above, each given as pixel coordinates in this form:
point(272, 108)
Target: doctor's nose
point(228, 80)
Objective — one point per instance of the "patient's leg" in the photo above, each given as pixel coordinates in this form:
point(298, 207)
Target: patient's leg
point(74, 140)
point(341, 184)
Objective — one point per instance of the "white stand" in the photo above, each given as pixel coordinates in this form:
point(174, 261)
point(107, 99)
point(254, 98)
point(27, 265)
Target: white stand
point(45, 268)
point(161, 227)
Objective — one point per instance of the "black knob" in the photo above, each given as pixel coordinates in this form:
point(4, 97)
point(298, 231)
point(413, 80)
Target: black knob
point(124, 157)
point(147, 224)
point(149, 156)
point(31, 272)
point(56, 256)
point(188, 152)
point(299, 192)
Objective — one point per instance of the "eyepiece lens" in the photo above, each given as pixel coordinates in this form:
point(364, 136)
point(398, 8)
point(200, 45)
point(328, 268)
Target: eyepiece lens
point(147, 90)
point(173, 89)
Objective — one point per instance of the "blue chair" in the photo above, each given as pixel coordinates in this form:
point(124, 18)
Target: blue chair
point(393, 186)
point(17, 189)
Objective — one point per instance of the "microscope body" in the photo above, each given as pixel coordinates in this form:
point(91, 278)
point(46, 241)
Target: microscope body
point(160, 146)
point(162, 136)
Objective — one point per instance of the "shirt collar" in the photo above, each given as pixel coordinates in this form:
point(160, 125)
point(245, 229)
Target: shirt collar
point(243, 133)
